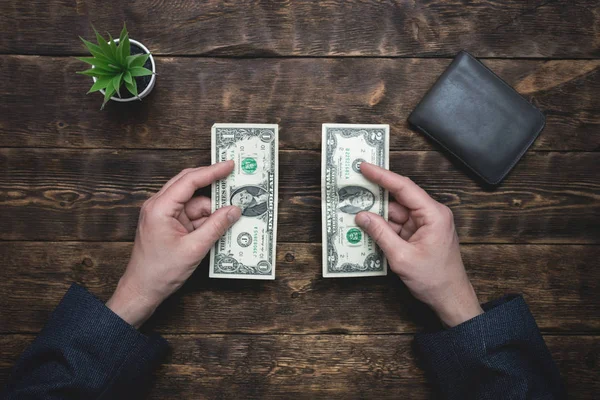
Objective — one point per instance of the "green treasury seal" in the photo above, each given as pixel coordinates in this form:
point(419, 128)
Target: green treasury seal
point(249, 165)
point(354, 235)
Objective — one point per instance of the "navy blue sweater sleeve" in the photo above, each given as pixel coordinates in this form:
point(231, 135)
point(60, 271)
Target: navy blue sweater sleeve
point(85, 351)
point(497, 355)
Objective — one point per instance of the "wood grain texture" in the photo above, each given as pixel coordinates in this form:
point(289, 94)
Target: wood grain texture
point(560, 283)
point(96, 194)
point(555, 28)
point(315, 367)
point(298, 94)
point(66, 177)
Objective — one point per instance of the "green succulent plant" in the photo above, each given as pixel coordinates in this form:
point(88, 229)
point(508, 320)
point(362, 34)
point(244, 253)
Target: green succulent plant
point(113, 65)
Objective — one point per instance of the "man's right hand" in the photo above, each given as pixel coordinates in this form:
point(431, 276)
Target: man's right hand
point(421, 246)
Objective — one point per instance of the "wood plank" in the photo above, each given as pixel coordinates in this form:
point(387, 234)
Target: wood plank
point(560, 283)
point(300, 95)
point(309, 367)
point(96, 194)
point(559, 28)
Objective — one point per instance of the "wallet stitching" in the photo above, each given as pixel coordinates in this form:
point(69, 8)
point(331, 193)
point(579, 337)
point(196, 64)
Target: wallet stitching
point(518, 156)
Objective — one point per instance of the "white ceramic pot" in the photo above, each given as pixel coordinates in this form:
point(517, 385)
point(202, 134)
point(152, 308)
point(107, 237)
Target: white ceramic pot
point(148, 89)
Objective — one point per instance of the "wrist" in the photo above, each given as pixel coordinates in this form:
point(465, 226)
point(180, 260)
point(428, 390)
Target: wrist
point(130, 305)
point(456, 317)
point(459, 308)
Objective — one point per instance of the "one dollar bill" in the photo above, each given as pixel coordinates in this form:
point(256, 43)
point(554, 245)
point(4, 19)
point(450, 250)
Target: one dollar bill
point(247, 250)
point(347, 250)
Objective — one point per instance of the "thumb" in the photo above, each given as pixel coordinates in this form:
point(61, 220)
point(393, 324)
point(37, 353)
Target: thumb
point(382, 233)
point(214, 227)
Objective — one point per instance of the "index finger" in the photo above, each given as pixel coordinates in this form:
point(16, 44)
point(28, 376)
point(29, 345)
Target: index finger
point(182, 190)
point(175, 179)
point(405, 191)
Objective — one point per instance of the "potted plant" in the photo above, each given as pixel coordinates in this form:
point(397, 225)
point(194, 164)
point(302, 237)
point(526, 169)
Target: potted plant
point(119, 62)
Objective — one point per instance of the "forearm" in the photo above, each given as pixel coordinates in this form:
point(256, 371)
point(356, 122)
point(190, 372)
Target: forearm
point(499, 354)
point(85, 351)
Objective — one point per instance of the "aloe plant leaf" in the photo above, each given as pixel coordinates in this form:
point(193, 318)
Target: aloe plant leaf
point(99, 63)
point(123, 33)
point(140, 71)
point(132, 58)
point(116, 82)
point(110, 91)
point(96, 72)
point(94, 49)
point(115, 51)
point(101, 83)
point(91, 46)
point(132, 87)
point(104, 46)
point(139, 61)
point(127, 77)
point(124, 49)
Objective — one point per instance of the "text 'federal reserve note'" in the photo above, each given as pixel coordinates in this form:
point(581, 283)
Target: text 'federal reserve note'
point(347, 250)
point(247, 250)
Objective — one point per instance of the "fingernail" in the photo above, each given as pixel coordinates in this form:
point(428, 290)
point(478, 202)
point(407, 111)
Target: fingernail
point(363, 220)
point(234, 214)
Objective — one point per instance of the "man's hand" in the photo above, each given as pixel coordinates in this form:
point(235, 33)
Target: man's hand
point(421, 246)
point(175, 231)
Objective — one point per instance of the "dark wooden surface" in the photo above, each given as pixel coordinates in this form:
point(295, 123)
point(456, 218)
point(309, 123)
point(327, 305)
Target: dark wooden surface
point(297, 93)
point(72, 179)
point(557, 281)
point(490, 28)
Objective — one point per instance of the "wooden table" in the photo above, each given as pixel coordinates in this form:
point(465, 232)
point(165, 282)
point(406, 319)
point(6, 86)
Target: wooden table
point(72, 179)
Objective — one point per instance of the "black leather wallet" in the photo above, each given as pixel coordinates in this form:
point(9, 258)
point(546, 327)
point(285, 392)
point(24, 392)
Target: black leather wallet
point(478, 118)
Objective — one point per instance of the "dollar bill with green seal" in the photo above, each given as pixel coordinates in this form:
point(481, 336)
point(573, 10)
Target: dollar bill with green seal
point(347, 250)
point(247, 250)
